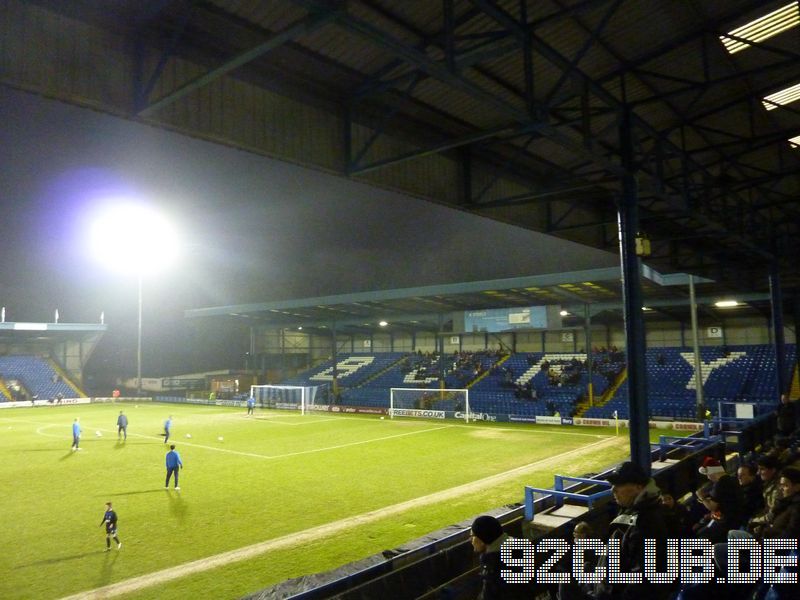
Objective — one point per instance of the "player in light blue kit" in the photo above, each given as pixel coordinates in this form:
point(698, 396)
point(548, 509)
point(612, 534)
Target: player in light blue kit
point(174, 464)
point(167, 427)
point(76, 434)
point(251, 404)
point(122, 426)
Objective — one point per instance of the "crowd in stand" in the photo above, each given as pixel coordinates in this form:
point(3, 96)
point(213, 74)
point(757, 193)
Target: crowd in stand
point(463, 366)
point(759, 502)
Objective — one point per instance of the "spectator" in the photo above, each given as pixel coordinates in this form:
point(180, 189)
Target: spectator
point(786, 421)
point(487, 537)
point(784, 520)
point(724, 509)
point(676, 516)
point(752, 493)
point(767, 472)
point(641, 517)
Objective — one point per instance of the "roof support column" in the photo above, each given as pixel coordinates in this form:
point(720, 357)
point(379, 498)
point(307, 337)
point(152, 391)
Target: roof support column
point(440, 349)
point(776, 301)
point(698, 363)
point(335, 371)
point(587, 323)
point(632, 301)
point(796, 318)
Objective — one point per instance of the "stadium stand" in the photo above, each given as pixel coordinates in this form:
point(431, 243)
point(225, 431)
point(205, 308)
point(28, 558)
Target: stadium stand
point(36, 377)
point(529, 384)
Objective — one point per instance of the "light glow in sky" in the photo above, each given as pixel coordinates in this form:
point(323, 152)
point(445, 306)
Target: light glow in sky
point(131, 237)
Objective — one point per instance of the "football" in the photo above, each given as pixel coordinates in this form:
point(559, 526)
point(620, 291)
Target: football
point(98, 434)
point(188, 435)
point(219, 438)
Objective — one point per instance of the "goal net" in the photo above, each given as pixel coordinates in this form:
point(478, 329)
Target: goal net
point(429, 403)
point(290, 397)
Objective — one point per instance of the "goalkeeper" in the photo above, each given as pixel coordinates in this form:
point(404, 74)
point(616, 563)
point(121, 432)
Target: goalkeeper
point(110, 521)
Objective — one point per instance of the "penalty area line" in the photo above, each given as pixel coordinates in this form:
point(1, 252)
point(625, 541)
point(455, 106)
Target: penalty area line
point(299, 538)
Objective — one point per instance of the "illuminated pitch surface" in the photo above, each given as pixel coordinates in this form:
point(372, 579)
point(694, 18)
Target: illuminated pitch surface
point(274, 475)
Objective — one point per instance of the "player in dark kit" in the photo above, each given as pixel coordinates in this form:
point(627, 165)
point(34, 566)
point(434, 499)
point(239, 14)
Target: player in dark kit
point(110, 521)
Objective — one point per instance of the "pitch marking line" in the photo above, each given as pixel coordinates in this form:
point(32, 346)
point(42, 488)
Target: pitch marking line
point(322, 531)
point(253, 454)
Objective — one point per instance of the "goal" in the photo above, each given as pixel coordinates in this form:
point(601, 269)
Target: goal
point(290, 397)
point(429, 403)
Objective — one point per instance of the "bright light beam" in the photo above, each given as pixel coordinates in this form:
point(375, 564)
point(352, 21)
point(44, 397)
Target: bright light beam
point(133, 238)
point(136, 239)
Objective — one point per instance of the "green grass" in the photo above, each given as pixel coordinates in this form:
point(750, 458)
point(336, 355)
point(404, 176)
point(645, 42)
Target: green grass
point(274, 475)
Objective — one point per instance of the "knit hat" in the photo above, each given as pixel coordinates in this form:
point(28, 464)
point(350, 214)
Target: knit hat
point(628, 472)
point(711, 466)
point(487, 529)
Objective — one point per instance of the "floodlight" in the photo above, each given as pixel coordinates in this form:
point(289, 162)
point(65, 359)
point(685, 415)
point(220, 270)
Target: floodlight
point(383, 323)
point(133, 237)
point(726, 303)
point(564, 313)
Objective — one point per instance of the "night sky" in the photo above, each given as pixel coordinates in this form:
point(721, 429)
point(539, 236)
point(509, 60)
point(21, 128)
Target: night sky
point(253, 230)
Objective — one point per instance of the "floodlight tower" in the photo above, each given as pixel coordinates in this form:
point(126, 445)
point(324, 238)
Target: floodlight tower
point(134, 238)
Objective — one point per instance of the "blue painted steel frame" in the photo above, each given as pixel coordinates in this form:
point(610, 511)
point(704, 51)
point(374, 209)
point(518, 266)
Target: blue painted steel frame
point(559, 494)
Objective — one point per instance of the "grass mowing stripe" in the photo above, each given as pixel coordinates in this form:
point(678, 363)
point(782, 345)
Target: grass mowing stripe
point(326, 530)
point(267, 456)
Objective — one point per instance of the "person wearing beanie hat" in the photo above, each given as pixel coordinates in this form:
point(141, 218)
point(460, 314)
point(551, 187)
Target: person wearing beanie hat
point(487, 536)
point(485, 530)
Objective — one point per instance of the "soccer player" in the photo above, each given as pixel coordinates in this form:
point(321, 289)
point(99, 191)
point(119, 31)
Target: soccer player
point(174, 464)
point(167, 427)
point(76, 434)
point(122, 426)
point(110, 521)
point(251, 403)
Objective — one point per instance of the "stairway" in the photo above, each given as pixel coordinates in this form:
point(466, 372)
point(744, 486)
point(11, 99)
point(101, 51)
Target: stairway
point(582, 407)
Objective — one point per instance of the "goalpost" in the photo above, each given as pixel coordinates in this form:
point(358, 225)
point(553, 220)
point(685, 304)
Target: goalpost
point(289, 397)
point(429, 403)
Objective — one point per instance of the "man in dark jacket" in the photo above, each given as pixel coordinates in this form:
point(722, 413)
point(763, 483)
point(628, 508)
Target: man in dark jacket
point(487, 537)
point(641, 517)
point(750, 483)
point(786, 416)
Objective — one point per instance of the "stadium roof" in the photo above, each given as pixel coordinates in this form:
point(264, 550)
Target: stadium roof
point(523, 112)
point(35, 336)
point(430, 308)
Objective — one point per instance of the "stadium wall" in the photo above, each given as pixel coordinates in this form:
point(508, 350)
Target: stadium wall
point(659, 334)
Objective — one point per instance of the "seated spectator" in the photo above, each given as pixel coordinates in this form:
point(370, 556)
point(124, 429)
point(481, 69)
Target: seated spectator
point(487, 537)
point(767, 472)
point(752, 492)
point(676, 516)
point(724, 509)
point(784, 519)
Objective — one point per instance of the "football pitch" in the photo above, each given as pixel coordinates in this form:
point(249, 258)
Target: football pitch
point(280, 495)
